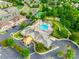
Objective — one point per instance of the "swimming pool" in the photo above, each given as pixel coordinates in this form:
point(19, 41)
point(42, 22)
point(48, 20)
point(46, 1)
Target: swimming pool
point(44, 27)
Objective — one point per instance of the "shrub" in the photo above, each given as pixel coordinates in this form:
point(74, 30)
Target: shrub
point(23, 25)
point(23, 52)
point(61, 53)
point(70, 54)
point(10, 41)
point(75, 37)
point(17, 35)
point(4, 43)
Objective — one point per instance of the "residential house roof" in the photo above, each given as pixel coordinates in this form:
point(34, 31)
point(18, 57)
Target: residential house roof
point(37, 34)
point(9, 13)
point(27, 40)
point(5, 23)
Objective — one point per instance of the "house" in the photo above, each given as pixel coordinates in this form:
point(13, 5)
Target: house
point(26, 9)
point(7, 11)
point(9, 17)
point(4, 4)
point(13, 11)
point(39, 35)
point(42, 27)
point(18, 20)
point(5, 25)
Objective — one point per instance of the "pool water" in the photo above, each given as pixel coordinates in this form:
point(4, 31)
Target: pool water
point(44, 27)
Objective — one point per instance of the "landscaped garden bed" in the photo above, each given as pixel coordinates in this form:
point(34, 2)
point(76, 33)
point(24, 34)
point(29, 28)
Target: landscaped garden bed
point(9, 42)
point(75, 38)
point(41, 49)
point(17, 35)
point(4, 32)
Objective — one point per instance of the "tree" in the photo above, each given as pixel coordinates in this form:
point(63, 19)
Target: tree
point(40, 47)
point(75, 37)
point(15, 2)
point(61, 53)
point(75, 1)
point(23, 25)
point(43, 1)
point(25, 52)
point(70, 54)
point(4, 43)
point(40, 15)
point(68, 14)
point(55, 12)
point(10, 41)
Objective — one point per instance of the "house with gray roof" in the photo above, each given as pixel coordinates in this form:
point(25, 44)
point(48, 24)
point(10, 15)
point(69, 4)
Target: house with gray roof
point(38, 35)
point(7, 11)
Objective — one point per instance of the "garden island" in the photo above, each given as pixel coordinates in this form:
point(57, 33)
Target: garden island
point(39, 29)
